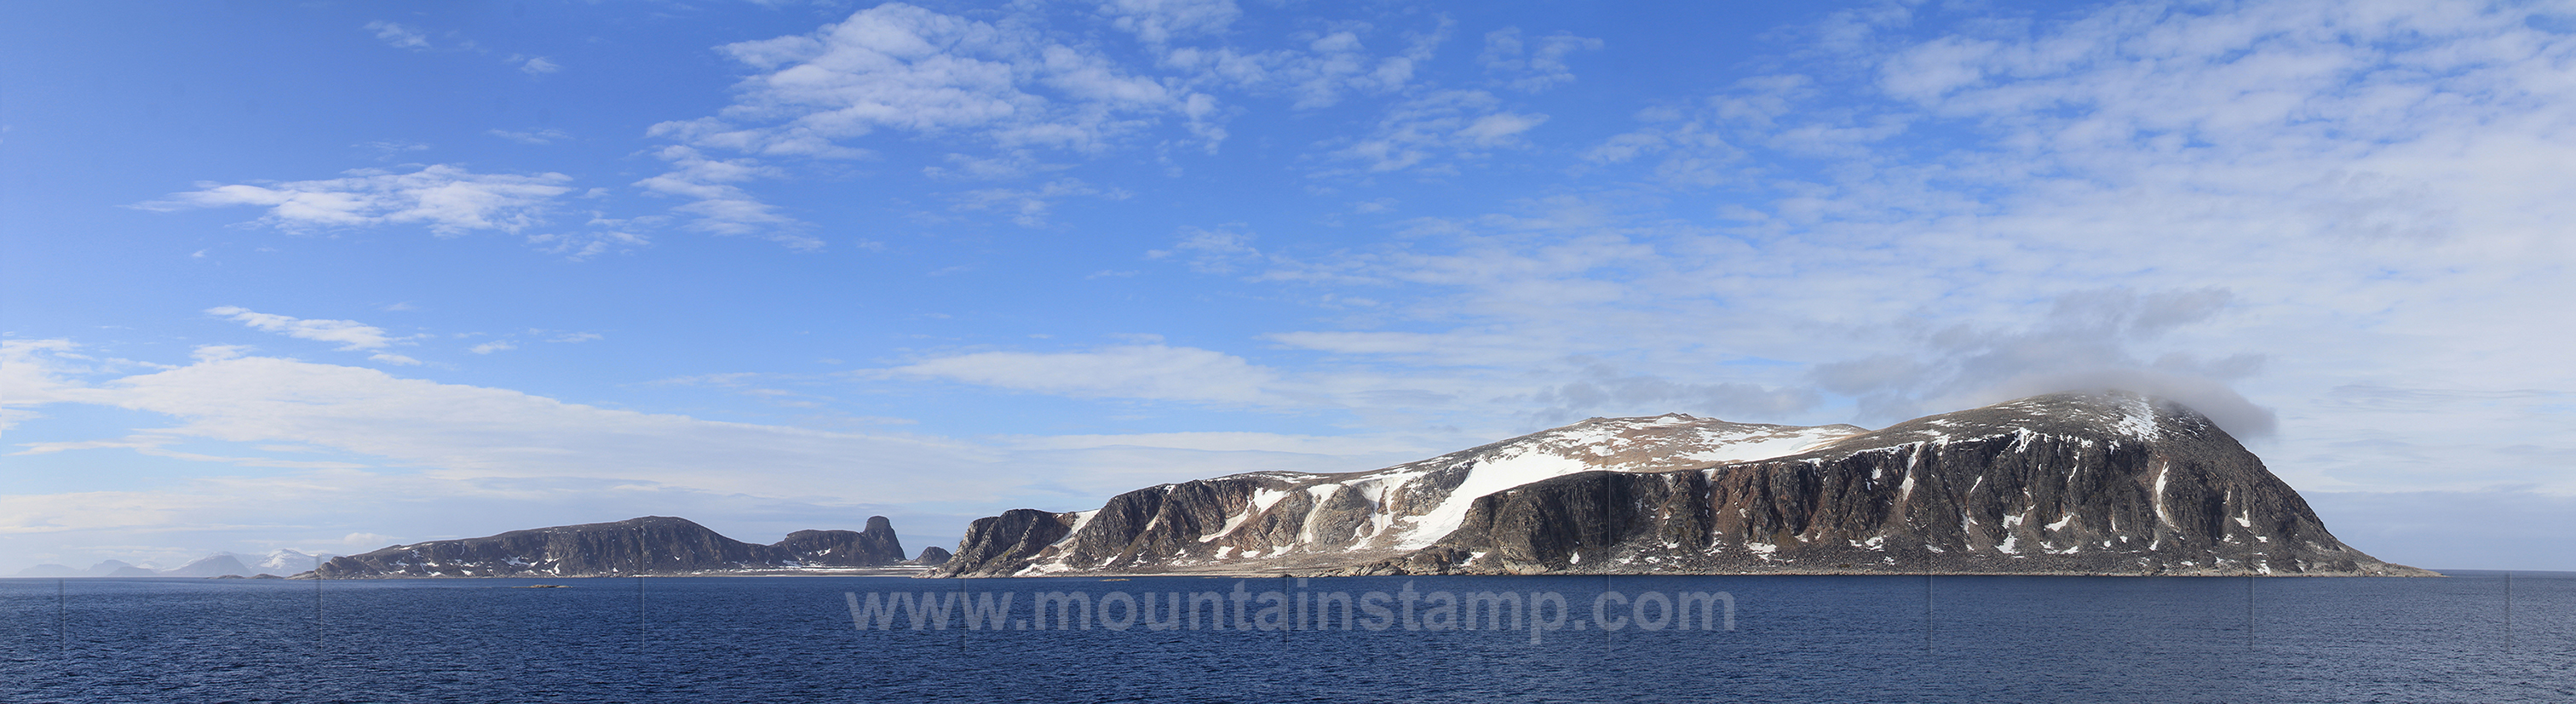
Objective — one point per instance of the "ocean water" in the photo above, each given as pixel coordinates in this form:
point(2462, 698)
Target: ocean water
point(818, 639)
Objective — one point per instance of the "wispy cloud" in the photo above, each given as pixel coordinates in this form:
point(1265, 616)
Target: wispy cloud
point(1157, 22)
point(1532, 65)
point(541, 136)
point(1454, 124)
point(1005, 90)
point(1125, 371)
point(448, 199)
point(718, 204)
point(467, 432)
point(399, 36)
point(351, 335)
point(1029, 207)
point(535, 65)
point(901, 67)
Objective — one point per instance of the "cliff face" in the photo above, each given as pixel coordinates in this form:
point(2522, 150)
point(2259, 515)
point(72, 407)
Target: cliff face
point(648, 545)
point(2068, 483)
point(1290, 520)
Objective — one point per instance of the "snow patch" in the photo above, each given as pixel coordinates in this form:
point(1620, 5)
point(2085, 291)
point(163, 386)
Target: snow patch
point(1503, 471)
point(2163, 469)
point(2137, 418)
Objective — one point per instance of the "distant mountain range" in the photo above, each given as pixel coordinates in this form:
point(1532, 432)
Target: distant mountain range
point(222, 564)
point(2109, 483)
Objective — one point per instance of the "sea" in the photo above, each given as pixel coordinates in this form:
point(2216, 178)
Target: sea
point(2483, 637)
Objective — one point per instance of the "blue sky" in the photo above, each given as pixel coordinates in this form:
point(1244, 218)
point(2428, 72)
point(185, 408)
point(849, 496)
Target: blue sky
point(332, 276)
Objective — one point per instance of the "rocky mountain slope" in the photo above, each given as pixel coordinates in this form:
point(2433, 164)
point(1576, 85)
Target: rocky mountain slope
point(651, 545)
point(2108, 483)
point(216, 565)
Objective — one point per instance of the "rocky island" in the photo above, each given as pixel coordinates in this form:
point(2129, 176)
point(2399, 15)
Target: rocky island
point(2106, 483)
point(651, 545)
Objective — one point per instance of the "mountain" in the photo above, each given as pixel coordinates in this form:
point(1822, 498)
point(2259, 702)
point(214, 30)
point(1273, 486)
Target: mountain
point(931, 556)
point(283, 561)
point(1330, 520)
point(215, 566)
point(2104, 483)
point(118, 568)
point(637, 546)
point(840, 548)
point(49, 571)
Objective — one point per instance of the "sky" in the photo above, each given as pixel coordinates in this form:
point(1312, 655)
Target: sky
point(331, 276)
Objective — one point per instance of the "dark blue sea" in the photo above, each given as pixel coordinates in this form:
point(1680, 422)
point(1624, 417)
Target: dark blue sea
point(1488, 639)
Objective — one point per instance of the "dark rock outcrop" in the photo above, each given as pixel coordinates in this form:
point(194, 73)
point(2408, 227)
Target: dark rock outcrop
point(1010, 540)
point(652, 545)
point(932, 556)
point(2107, 483)
point(840, 548)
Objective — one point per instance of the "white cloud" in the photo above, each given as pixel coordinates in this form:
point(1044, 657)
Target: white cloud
point(538, 66)
point(2246, 207)
point(577, 246)
point(1158, 21)
point(1235, 442)
point(1213, 251)
point(1320, 74)
point(1125, 371)
point(1029, 207)
point(719, 206)
point(31, 374)
point(542, 136)
point(350, 334)
point(493, 346)
point(387, 149)
point(1010, 87)
point(460, 432)
point(897, 66)
point(399, 36)
point(450, 200)
point(1456, 124)
point(1531, 69)
point(1013, 164)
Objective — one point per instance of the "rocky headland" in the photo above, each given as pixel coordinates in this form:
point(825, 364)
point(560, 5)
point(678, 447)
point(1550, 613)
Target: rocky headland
point(650, 545)
point(2107, 483)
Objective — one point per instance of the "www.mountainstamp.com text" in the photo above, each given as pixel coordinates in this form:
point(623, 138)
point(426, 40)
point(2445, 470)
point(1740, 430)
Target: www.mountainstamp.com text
point(1244, 609)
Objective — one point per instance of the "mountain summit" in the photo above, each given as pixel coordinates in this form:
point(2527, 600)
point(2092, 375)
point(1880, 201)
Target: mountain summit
point(2070, 483)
